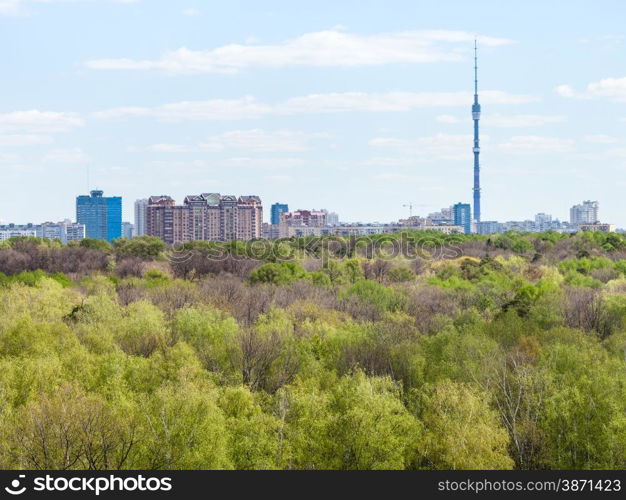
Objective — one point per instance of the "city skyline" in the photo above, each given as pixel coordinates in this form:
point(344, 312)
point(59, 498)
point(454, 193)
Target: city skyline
point(281, 105)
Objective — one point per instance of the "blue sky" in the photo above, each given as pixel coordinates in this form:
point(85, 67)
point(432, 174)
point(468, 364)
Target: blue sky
point(355, 106)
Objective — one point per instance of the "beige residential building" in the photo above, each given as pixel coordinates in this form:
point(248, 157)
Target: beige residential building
point(207, 216)
point(301, 219)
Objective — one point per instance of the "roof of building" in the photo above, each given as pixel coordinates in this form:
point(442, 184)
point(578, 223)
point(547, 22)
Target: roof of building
point(160, 200)
point(250, 198)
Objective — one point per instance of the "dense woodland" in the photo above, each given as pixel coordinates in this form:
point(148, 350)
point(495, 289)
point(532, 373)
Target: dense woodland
point(411, 351)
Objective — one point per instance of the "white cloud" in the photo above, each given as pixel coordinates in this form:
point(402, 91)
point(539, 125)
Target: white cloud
point(35, 121)
point(323, 48)
point(9, 158)
point(458, 147)
point(440, 146)
point(534, 144)
point(387, 101)
point(164, 148)
point(600, 139)
point(191, 12)
point(11, 7)
point(418, 180)
point(279, 178)
point(613, 89)
point(259, 141)
point(67, 156)
point(21, 7)
point(616, 153)
point(609, 41)
point(248, 107)
point(189, 166)
point(21, 140)
point(264, 163)
point(504, 121)
point(394, 176)
point(451, 119)
point(391, 162)
point(216, 109)
point(566, 91)
point(256, 141)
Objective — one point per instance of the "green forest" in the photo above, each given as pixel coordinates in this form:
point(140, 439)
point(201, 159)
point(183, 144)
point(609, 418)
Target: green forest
point(416, 350)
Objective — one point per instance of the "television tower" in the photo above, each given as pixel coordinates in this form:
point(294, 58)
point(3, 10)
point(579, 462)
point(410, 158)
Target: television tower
point(476, 149)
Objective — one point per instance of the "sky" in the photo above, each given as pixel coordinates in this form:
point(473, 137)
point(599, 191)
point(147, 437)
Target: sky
point(359, 107)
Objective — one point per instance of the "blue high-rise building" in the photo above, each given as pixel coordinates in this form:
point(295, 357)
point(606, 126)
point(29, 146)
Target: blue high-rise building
point(462, 215)
point(101, 215)
point(277, 209)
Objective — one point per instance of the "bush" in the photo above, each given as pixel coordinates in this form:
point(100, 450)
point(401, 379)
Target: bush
point(281, 273)
point(400, 274)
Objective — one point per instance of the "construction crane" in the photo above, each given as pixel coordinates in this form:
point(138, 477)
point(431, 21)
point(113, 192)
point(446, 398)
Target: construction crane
point(410, 207)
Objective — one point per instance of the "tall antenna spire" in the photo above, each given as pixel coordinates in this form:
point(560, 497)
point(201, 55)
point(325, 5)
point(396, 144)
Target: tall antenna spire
point(475, 70)
point(476, 149)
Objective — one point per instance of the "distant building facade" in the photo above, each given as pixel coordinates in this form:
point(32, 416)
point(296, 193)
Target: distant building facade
point(598, 227)
point(488, 227)
point(462, 216)
point(415, 221)
point(207, 216)
point(75, 232)
point(583, 217)
point(12, 230)
point(543, 222)
point(361, 230)
point(443, 217)
point(101, 215)
point(302, 219)
point(141, 207)
point(585, 213)
point(277, 209)
point(65, 231)
point(332, 219)
point(128, 230)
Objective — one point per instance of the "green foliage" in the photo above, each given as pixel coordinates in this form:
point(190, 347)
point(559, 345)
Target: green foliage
point(144, 247)
point(462, 430)
point(33, 278)
point(155, 278)
point(353, 270)
point(355, 422)
point(375, 295)
point(508, 353)
point(335, 272)
point(254, 437)
point(280, 273)
point(400, 274)
point(320, 278)
point(212, 334)
point(96, 244)
point(183, 428)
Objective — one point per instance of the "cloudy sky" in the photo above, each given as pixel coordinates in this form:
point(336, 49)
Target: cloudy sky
point(355, 106)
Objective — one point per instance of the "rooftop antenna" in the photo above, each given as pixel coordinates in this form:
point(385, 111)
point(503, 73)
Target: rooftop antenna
point(410, 207)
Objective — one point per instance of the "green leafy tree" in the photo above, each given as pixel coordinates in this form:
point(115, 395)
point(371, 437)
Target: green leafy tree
point(281, 273)
point(461, 430)
point(182, 427)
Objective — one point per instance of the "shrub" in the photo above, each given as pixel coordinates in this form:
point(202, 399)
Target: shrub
point(281, 273)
